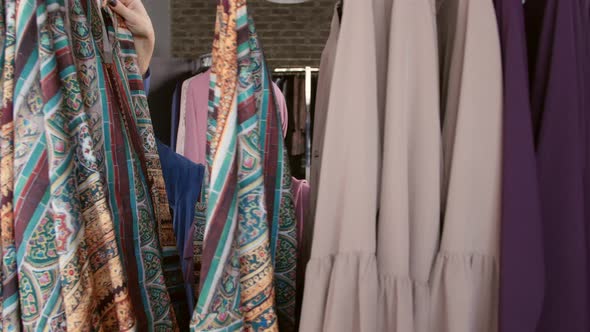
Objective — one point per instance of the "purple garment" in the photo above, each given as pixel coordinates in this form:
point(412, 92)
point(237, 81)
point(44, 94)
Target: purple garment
point(558, 46)
point(522, 270)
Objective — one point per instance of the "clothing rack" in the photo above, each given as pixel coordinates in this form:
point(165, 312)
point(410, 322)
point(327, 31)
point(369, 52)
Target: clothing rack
point(307, 70)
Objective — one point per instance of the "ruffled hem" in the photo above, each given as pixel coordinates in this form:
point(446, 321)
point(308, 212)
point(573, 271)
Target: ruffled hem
point(340, 294)
point(465, 293)
point(403, 305)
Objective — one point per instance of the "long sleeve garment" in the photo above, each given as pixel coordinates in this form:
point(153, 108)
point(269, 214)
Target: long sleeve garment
point(465, 275)
point(522, 272)
point(558, 47)
point(193, 107)
point(356, 281)
point(192, 127)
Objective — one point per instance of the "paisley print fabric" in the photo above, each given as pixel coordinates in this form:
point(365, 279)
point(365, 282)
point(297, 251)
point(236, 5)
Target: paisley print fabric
point(249, 254)
point(10, 310)
point(91, 217)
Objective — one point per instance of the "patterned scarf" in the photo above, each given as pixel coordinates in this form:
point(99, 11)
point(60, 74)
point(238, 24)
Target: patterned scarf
point(250, 237)
point(89, 198)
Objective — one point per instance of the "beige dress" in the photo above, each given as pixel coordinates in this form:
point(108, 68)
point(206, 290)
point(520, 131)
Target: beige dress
point(388, 174)
point(368, 274)
point(341, 278)
point(465, 276)
point(321, 111)
point(409, 213)
point(319, 123)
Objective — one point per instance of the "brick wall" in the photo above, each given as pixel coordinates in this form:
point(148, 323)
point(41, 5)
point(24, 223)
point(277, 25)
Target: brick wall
point(292, 35)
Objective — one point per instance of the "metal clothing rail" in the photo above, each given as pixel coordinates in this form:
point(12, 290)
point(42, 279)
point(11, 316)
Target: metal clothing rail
point(296, 70)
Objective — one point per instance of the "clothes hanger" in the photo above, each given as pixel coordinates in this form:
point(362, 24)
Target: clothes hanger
point(203, 63)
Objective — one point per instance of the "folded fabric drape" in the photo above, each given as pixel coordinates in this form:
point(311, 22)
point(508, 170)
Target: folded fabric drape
point(10, 311)
point(559, 62)
point(250, 248)
point(90, 208)
point(465, 275)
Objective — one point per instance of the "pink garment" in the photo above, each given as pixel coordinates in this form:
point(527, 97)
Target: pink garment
point(282, 105)
point(194, 106)
point(192, 126)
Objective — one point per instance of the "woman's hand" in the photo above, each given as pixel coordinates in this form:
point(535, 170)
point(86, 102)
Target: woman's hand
point(140, 25)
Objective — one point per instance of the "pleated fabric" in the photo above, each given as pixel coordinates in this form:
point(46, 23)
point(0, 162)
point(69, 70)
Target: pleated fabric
point(319, 123)
point(382, 258)
point(466, 271)
point(341, 285)
point(409, 215)
point(356, 281)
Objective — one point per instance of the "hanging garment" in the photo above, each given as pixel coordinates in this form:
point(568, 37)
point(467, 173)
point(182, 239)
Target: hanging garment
point(319, 125)
point(10, 309)
point(299, 114)
point(250, 244)
point(342, 285)
point(465, 275)
point(409, 212)
point(192, 127)
point(301, 196)
point(193, 249)
point(192, 137)
point(193, 130)
point(282, 107)
point(175, 115)
point(521, 267)
point(350, 287)
point(184, 180)
point(167, 72)
point(301, 192)
point(558, 39)
point(90, 207)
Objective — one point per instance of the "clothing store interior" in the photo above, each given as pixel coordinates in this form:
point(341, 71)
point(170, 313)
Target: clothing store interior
point(295, 165)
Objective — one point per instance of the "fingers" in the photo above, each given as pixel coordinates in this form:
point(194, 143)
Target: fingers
point(126, 2)
point(119, 7)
